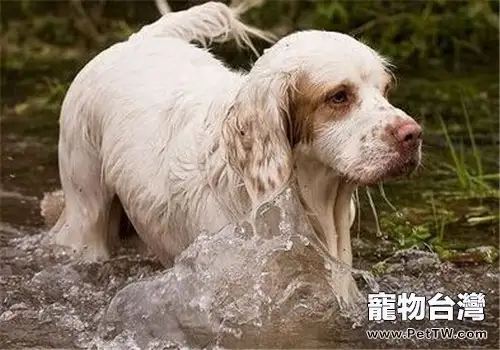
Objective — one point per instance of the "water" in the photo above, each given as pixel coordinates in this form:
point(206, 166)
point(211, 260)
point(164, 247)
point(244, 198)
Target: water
point(240, 287)
point(237, 288)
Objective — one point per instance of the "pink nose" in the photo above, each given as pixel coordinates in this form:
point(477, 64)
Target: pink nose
point(408, 134)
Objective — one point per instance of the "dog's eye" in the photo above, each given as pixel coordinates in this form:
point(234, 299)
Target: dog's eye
point(338, 97)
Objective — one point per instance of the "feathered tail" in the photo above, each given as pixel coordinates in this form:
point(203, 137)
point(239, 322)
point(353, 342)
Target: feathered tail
point(207, 23)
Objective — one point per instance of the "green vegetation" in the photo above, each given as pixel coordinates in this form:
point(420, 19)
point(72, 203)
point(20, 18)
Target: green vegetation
point(446, 59)
point(415, 34)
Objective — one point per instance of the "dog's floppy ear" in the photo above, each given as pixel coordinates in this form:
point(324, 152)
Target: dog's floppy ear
point(257, 135)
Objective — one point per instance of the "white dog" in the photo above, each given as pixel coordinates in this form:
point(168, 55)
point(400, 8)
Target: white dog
point(162, 129)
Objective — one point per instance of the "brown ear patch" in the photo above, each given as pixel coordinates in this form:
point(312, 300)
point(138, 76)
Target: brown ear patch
point(257, 147)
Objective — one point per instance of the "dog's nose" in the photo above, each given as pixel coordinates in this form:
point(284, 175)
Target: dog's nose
point(408, 133)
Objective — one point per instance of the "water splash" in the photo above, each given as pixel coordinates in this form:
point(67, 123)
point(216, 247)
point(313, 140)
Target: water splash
point(231, 290)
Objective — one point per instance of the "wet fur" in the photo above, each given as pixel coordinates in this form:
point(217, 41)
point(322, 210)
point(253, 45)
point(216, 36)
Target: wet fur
point(160, 129)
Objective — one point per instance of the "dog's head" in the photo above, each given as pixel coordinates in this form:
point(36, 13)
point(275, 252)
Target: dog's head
point(324, 93)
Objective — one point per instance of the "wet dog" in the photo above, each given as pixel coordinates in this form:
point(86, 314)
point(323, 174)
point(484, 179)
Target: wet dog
point(158, 129)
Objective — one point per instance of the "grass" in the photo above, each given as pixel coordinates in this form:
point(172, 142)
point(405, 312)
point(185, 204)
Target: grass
point(475, 150)
point(471, 179)
point(439, 222)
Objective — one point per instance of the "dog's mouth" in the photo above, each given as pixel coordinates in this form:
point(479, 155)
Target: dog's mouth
point(394, 169)
point(403, 169)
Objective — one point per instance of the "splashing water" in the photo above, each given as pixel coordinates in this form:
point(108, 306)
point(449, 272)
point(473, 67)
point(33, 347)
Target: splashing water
point(232, 290)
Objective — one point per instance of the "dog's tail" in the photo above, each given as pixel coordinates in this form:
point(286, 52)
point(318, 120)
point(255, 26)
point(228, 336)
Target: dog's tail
point(207, 23)
point(163, 6)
